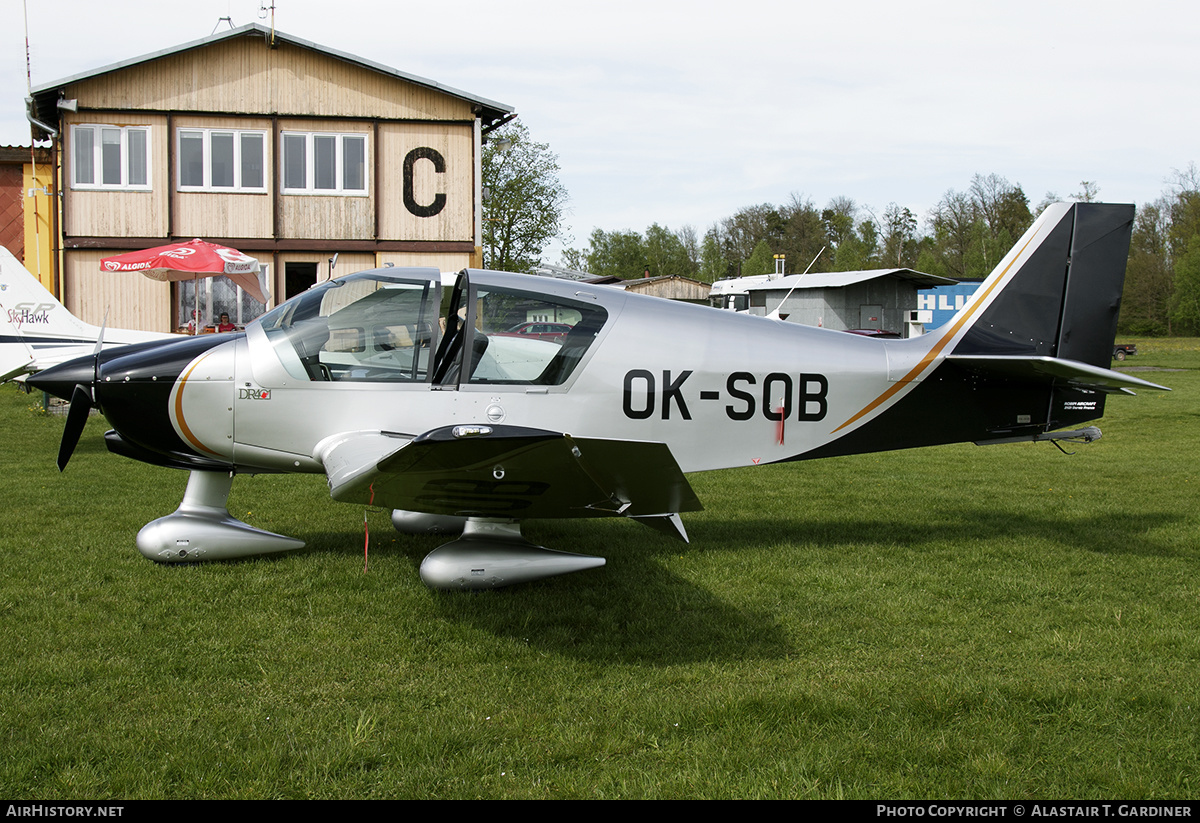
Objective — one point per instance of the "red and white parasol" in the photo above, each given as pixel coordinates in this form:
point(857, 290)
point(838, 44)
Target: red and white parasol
point(193, 259)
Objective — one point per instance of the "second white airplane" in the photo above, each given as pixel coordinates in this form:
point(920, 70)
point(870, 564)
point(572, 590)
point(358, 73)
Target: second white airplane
point(37, 331)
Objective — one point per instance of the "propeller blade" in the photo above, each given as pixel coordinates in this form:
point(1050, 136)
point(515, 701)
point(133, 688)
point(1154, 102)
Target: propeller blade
point(100, 336)
point(81, 404)
point(96, 357)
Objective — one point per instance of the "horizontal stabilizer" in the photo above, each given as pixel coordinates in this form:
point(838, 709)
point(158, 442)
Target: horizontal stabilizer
point(14, 363)
point(1054, 370)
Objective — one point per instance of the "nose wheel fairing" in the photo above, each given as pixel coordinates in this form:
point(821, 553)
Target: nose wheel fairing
point(202, 528)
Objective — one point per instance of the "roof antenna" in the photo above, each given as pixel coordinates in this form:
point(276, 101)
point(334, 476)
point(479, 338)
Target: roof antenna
point(263, 11)
point(220, 20)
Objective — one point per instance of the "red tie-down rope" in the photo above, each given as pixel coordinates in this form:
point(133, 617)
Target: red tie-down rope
point(366, 530)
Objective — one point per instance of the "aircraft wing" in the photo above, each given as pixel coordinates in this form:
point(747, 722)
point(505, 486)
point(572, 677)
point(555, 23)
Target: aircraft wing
point(1052, 369)
point(348, 458)
point(507, 471)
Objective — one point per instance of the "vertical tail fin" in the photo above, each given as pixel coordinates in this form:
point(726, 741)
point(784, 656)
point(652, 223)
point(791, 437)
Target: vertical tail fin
point(1028, 354)
point(1063, 299)
point(35, 328)
point(17, 293)
point(30, 310)
point(37, 331)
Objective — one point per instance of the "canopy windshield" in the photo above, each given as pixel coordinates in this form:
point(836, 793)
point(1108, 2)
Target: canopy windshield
point(392, 326)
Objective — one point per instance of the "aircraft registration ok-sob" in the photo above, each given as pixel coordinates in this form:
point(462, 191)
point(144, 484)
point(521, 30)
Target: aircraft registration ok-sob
point(431, 404)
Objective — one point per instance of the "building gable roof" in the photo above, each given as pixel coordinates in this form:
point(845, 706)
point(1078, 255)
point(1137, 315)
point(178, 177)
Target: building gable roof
point(841, 279)
point(45, 96)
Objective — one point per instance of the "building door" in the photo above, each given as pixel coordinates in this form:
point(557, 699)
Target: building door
point(870, 317)
point(298, 278)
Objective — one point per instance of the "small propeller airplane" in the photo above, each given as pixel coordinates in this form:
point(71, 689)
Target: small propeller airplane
point(37, 331)
point(409, 397)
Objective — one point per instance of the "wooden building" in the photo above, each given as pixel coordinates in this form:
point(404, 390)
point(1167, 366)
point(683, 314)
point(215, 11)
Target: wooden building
point(288, 151)
point(671, 287)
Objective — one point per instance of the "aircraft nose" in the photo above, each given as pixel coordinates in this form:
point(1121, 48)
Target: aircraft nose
point(62, 379)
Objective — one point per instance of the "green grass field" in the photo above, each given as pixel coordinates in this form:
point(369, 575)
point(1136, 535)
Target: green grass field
point(956, 622)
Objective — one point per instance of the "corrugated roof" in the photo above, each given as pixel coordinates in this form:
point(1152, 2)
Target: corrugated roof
point(45, 95)
point(22, 154)
point(635, 282)
point(841, 279)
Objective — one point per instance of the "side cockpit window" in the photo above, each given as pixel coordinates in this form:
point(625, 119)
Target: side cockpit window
point(369, 327)
point(526, 338)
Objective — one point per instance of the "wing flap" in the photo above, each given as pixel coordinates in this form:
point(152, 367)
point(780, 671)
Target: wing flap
point(508, 471)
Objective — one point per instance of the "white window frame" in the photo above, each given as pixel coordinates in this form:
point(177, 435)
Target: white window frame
point(97, 131)
point(207, 185)
point(310, 140)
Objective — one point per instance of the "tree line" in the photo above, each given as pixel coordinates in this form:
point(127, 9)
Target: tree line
point(963, 236)
point(1162, 279)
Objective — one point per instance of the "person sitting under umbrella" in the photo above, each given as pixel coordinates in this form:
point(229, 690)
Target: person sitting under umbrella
point(225, 325)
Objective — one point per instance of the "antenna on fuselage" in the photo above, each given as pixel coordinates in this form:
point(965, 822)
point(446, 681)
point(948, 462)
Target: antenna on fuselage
point(774, 315)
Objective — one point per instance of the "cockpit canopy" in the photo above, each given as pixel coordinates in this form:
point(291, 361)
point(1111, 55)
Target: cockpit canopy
point(400, 326)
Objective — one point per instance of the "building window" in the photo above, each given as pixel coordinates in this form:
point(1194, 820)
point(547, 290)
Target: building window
point(203, 301)
point(110, 157)
point(324, 163)
point(222, 161)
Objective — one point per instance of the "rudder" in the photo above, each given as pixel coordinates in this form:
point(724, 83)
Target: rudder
point(1096, 277)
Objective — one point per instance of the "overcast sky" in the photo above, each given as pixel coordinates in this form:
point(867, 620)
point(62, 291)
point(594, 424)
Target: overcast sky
point(683, 112)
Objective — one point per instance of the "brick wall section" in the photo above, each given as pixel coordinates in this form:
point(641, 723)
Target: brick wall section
point(12, 223)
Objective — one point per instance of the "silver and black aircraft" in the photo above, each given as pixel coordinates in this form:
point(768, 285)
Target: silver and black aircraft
point(420, 399)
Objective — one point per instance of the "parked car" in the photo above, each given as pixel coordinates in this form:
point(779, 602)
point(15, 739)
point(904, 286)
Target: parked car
point(878, 334)
point(554, 332)
point(1123, 350)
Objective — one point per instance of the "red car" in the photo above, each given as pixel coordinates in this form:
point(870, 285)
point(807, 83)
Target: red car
point(878, 334)
point(539, 331)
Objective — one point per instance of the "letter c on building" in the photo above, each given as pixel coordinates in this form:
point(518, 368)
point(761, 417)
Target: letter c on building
point(439, 166)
